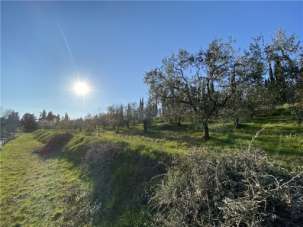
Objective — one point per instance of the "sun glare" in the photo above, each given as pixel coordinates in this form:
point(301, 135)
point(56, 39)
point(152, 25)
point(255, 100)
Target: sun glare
point(81, 88)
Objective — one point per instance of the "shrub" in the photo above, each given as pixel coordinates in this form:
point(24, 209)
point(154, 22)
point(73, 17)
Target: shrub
point(231, 190)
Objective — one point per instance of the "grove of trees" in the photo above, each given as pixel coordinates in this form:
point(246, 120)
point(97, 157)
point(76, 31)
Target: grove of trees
point(28, 122)
point(221, 81)
point(10, 121)
point(218, 82)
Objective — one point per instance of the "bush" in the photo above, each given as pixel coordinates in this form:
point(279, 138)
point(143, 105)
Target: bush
point(231, 190)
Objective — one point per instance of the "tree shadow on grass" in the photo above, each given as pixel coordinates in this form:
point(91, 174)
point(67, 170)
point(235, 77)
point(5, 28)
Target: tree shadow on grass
point(120, 177)
point(168, 134)
point(187, 135)
point(120, 174)
point(227, 136)
point(54, 146)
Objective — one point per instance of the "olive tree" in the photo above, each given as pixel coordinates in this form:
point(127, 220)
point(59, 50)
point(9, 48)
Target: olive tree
point(281, 55)
point(201, 81)
point(247, 82)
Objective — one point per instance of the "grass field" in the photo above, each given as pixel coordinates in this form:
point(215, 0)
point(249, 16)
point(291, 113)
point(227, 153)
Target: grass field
point(34, 191)
point(77, 186)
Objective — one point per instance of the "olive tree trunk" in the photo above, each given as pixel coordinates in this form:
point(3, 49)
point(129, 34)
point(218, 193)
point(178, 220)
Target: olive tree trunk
point(237, 122)
point(206, 131)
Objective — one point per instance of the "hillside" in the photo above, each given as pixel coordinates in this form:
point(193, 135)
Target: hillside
point(151, 114)
point(78, 178)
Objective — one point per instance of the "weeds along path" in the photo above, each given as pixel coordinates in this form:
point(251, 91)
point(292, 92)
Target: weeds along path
point(35, 191)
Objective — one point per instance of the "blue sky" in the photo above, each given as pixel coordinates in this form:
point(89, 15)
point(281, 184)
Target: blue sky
point(112, 44)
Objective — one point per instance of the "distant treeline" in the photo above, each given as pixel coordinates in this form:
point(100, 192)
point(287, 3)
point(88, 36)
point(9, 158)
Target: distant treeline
point(216, 82)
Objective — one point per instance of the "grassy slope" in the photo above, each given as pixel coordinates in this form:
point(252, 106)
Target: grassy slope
point(35, 190)
point(282, 139)
point(61, 188)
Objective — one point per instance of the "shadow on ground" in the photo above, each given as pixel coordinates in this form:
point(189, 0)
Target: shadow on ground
point(120, 177)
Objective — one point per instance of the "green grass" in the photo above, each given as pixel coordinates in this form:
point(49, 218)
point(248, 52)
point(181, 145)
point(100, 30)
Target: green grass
point(34, 191)
point(282, 140)
point(64, 188)
point(53, 189)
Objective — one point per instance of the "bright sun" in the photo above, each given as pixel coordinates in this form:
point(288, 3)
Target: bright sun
point(81, 88)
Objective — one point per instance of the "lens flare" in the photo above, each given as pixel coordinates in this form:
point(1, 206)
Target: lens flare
point(81, 88)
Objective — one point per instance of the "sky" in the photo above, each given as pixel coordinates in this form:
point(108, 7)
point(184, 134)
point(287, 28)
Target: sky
point(46, 46)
